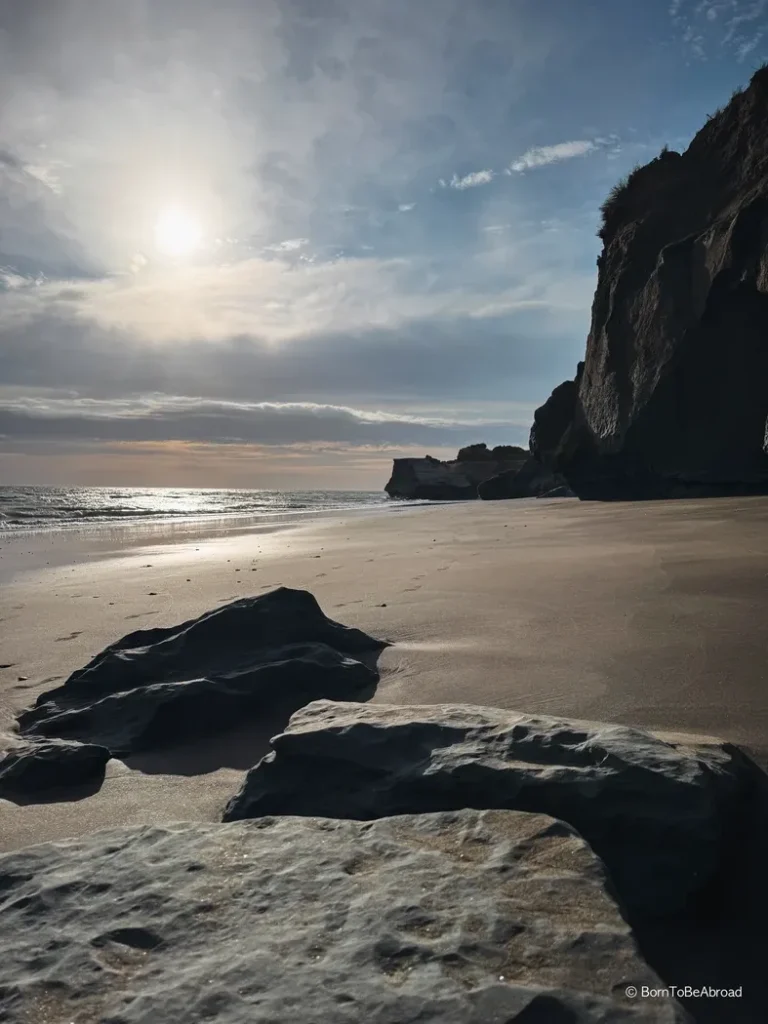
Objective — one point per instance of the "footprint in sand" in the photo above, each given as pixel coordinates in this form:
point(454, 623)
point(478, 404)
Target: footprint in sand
point(321, 574)
point(406, 589)
point(8, 664)
point(72, 636)
point(137, 615)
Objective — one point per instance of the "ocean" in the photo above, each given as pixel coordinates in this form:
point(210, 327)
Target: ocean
point(59, 508)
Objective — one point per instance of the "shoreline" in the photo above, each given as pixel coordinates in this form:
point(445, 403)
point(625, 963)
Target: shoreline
point(76, 543)
point(648, 615)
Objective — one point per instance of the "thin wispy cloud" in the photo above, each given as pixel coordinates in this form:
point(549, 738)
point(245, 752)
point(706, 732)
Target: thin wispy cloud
point(744, 49)
point(710, 28)
point(472, 180)
point(541, 156)
point(289, 245)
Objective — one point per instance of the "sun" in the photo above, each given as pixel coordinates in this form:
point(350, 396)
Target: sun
point(177, 233)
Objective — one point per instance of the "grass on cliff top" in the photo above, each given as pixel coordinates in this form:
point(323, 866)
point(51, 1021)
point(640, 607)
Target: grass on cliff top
point(617, 199)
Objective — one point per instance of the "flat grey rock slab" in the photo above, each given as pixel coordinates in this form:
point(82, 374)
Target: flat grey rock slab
point(157, 687)
point(34, 769)
point(471, 917)
point(658, 813)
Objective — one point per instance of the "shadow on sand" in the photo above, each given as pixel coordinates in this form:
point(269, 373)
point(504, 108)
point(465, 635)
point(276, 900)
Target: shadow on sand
point(244, 745)
point(55, 795)
point(239, 748)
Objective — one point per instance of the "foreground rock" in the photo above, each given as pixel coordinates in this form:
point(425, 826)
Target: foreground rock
point(531, 480)
point(430, 479)
point(32, 769)
point(159, 686)
point(659, 814)
point(672, 398)
point(464, 918)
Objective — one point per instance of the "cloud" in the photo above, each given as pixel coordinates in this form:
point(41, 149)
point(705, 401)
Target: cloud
point(744, 49)
point(541, 156)
point(165, 418)
point(406, 207)
point(289, 245)
point(279, 301)
point(724, 25)
point(472, 180)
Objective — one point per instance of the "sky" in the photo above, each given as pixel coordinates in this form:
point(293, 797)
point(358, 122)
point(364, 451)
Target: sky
point(277, 243)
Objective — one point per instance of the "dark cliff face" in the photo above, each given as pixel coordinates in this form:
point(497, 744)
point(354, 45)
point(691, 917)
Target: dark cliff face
point(430, 479)
point(672, 397)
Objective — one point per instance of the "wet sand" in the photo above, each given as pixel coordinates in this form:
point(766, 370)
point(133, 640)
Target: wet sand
point(649, 614)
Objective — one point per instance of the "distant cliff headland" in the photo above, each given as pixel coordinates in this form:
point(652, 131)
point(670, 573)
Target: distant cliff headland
point(671, 399)
point(477, 472)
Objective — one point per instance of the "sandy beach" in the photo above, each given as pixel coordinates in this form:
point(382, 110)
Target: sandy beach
point(648, 614)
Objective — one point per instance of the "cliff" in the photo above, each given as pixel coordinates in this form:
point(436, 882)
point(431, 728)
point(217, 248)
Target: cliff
point(672, 396)
point(458, 480)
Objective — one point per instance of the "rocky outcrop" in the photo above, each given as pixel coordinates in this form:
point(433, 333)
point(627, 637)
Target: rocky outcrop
point(529, 481)
point(658, 813)
point(672, 399)
point(482, 453)
point(33, 769)
point(464, 918)
point(430, 479)
point(157, 687)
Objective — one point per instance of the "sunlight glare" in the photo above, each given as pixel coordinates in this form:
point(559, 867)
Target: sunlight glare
point(177, 233)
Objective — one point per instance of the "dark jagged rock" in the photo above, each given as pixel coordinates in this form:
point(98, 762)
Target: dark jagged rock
point(554, 418)
point(482, 453)
point(465, 918)
point(529, 481)
point(673, 397)
point(159, 686)
point(430, 479)
point(34, 768)
point(658, 813)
